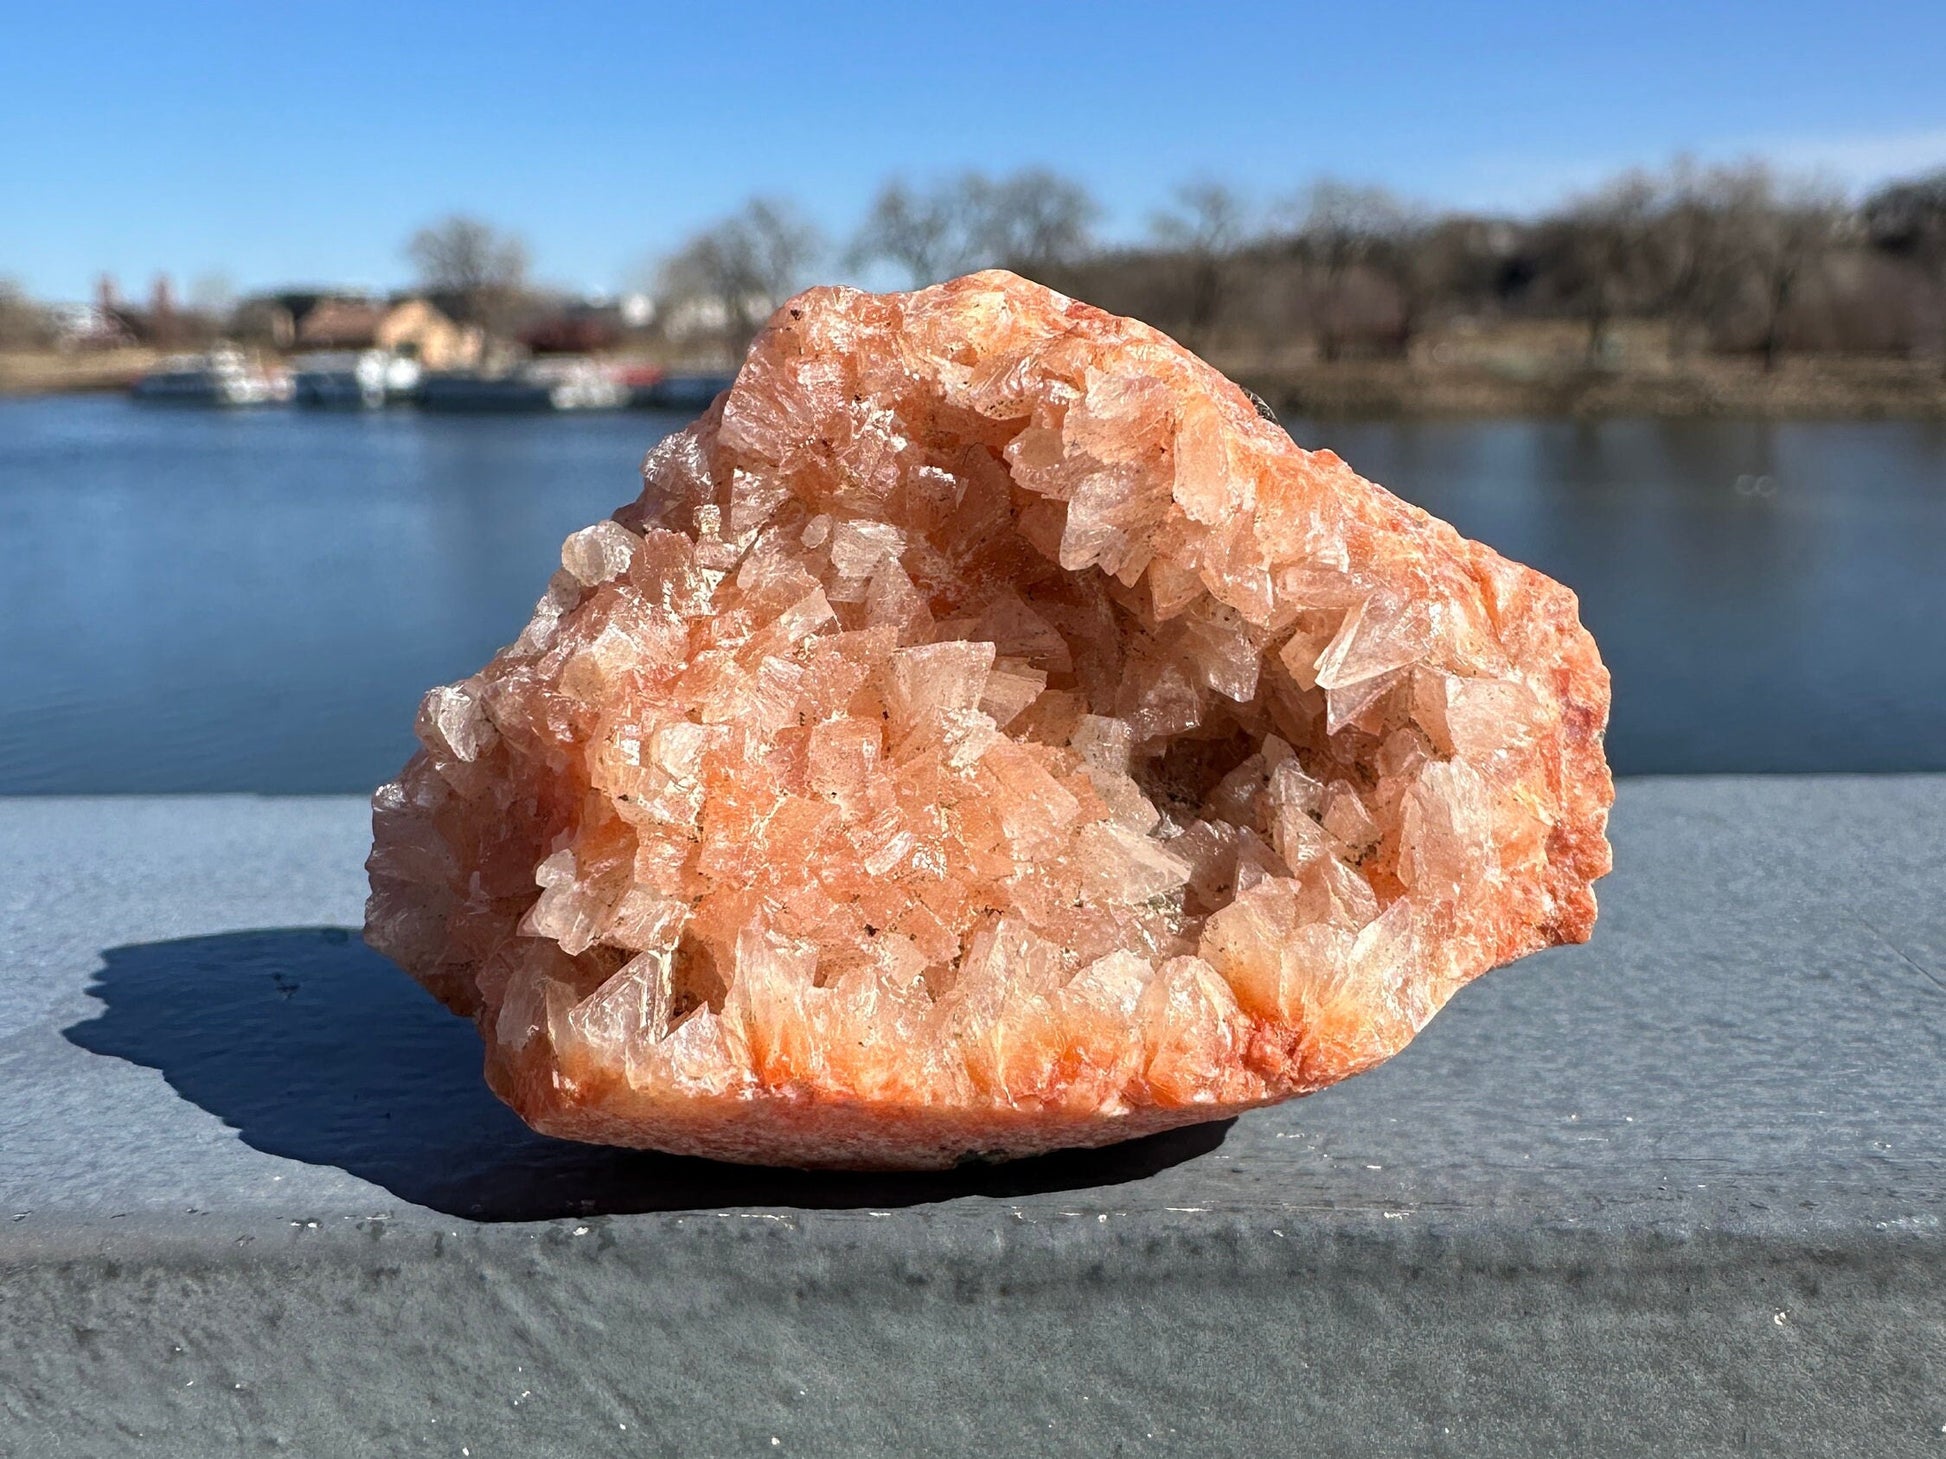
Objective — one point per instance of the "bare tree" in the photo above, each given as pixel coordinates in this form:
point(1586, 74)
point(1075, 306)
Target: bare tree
point(1598, 255)
point(1434, 263)
point(1206, 226)
point(1782, 231)
point(1694, 250)
point(1035, 221)
point(480, 271)
point(745, 265)
point(1342, 227)
point(932, 235)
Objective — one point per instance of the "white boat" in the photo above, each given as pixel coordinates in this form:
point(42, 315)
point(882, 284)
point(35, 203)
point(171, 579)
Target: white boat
point(223, 376)
point(353, 379)
point(538, 385)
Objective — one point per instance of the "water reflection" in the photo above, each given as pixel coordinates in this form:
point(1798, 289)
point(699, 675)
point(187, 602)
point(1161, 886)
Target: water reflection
point(255, 602)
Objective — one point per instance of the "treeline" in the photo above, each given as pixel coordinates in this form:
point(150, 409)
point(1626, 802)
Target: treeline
point(1721, 260)
point(1736, 259)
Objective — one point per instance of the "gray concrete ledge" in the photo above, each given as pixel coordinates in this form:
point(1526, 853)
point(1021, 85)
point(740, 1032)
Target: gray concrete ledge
point(1678, 1191)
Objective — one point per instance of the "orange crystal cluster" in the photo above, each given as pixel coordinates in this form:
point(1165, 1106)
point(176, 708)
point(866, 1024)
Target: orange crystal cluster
point(986, 734)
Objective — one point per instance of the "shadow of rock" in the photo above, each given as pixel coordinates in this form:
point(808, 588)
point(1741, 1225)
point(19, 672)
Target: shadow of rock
point(317, 1049)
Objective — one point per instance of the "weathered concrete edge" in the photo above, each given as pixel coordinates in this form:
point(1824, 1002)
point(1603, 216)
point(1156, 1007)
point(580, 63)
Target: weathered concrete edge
point(803, 1249)
point(1335, 1336)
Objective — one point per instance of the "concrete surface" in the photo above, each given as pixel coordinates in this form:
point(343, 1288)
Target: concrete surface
point(1678, 1191)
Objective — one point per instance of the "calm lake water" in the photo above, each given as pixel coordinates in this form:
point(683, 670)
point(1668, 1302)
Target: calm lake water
point(198, 601)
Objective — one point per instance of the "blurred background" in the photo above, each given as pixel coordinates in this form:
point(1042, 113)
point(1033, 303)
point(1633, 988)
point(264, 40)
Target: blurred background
point(318, 332)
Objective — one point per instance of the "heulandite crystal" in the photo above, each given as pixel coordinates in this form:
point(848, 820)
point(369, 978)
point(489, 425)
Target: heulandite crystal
point(988, 734)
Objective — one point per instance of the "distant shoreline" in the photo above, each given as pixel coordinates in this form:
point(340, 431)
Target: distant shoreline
point(71, 372)
point(1802, 388)
point(1828, 388)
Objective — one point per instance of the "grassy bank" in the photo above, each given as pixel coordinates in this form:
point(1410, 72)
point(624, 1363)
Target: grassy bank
point(1835, 389)
point(1832, 388)
point(52, 372)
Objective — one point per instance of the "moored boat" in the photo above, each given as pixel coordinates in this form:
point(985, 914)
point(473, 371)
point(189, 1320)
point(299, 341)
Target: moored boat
point(353, 379)
point(222, 377)
point(541, 385)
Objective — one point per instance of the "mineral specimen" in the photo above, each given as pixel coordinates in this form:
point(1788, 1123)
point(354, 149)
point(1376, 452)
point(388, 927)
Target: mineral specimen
point(988, 734)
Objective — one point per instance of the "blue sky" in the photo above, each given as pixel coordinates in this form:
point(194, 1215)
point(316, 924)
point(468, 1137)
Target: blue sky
point(287, 142)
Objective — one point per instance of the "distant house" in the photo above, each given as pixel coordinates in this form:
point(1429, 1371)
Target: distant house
point(408, 324)
point(587, 325)
point(574, 327)
point(340, 324)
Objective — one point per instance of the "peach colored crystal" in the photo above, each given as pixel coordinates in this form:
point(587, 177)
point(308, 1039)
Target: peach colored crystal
point(988, 734)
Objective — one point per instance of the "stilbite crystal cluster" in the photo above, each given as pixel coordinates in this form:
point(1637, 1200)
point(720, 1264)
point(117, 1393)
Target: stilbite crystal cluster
point(988, 734)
